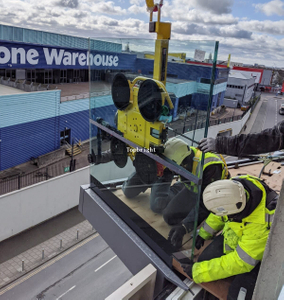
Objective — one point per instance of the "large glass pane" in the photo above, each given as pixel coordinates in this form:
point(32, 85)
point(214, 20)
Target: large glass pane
point(149, 107)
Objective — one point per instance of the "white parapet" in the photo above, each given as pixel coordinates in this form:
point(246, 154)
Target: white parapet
point(141, 286)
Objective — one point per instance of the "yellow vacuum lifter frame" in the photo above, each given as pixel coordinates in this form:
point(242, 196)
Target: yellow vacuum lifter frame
point(134, 127)
point(163, 31)
point(130, 121)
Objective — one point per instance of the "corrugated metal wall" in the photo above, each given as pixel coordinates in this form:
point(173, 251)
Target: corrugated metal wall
point(180, 71)
point(28, 107)
point(11, 33)
point(21, 142)
point(29, 126)
point(30, 123)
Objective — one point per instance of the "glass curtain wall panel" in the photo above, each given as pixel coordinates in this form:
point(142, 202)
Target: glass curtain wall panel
point(149, 108)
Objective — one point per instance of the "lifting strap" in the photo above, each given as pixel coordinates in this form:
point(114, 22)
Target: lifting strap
point(196, 161)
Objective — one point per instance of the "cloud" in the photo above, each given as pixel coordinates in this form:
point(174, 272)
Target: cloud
point(137, 2)
point(231, 31)
point(107, 7)
point(196, 15)
point(212, 31)
point(274, 7)
point(194, 11)
point(135, 9)
point(68, 3)
point(267, 26)
point(216, 7)
point(247, 40)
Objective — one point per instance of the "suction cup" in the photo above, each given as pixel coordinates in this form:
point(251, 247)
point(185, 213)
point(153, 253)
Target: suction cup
point(150, 100)
point(120, 91)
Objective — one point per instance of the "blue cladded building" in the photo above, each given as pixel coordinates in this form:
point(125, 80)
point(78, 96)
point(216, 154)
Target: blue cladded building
point(33, 123)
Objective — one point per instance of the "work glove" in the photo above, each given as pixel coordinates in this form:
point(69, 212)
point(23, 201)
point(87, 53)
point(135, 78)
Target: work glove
point(207, 145)
point(168, 175)
point(176, 235)
point(199, 242)
point(187, 268)
point(92, 158)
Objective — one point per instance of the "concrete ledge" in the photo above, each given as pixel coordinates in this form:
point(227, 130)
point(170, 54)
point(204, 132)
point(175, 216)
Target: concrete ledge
point(271, 276)
point(51, 157)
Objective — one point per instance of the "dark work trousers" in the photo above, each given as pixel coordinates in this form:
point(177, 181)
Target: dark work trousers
point(175, 202)
point(133, 186)
point(246, 280)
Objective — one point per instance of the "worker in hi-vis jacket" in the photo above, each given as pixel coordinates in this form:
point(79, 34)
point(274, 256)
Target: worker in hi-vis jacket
point(243, 207)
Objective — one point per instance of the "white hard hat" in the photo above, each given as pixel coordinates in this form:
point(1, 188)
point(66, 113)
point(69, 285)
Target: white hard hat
point(176, 150)
point(224, 197)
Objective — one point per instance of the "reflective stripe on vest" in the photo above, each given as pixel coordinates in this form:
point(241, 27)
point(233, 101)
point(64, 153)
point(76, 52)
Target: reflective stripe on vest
point(196, 162)
point(209, 229)
point(207, 160)
point(246, 258)
point(196, 167)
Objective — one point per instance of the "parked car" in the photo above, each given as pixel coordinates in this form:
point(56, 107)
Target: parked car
point(281, 109)
point(245, 107)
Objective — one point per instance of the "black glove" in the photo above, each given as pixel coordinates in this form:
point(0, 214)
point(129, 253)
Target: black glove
point(168, 175)
point(176, 235)
point(207, 145)
point(199, 242)
point(92, 159)
point(187, 268)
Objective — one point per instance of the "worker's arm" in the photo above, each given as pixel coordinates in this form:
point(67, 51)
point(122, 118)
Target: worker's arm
point(243, 259)
point(105, 157)
point(212, 225)
point(176, 234)
point(268, 140)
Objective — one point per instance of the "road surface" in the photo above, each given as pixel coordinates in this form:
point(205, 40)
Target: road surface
point(268, 116)
point(88, 271)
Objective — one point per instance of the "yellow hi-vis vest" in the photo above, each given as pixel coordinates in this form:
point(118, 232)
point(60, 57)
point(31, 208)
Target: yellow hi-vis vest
point(244, 242)
point(209, 159)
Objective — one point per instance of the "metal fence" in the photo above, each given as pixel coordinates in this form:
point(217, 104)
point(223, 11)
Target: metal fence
point(255, 103)
point(17, 182)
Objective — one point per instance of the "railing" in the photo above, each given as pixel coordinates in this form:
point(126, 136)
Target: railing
point(20, 181)
point(85, 95)
point(24, 85)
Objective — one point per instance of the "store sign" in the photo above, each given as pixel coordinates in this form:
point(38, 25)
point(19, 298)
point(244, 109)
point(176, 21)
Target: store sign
point(33, 56)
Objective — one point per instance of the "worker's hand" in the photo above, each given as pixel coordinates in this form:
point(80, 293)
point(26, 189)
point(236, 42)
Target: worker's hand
point(187, 268)
point(168, 175)
point(199, 242)
point(176, 235)
point(207, 145)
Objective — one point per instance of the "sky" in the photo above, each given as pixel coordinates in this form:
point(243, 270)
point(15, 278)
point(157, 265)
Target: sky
point(252, 31)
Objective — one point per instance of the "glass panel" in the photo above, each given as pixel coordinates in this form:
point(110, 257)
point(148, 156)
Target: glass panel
point(146, 119)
